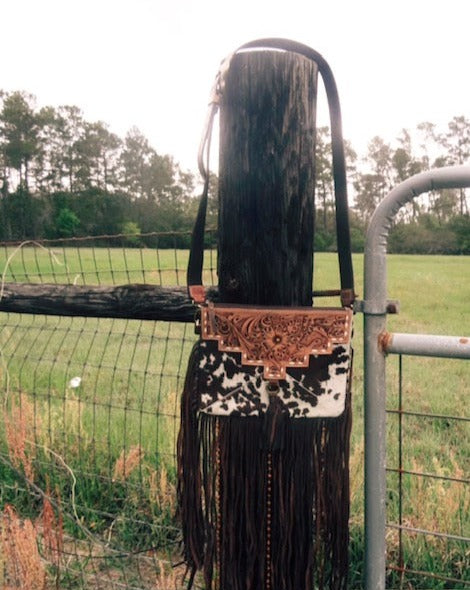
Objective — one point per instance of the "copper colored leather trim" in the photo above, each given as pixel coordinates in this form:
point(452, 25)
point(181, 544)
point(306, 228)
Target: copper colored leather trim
point(197, 293)
point(276, 338)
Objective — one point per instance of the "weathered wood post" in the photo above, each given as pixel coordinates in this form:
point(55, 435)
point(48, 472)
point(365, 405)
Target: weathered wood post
point(263, 471)
point(266, 234)
point(267, 179)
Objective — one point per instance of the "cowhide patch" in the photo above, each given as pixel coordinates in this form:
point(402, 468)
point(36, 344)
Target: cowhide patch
point(228, 388)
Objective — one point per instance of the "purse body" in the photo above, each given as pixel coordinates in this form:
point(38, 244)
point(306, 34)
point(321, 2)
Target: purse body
point(249, 355)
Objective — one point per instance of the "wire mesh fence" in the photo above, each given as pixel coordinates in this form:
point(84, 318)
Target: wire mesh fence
point(90, 419)
point(428, 505)
point(151, 258)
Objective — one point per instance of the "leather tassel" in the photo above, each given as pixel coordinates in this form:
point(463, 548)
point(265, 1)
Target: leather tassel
point(274, 423)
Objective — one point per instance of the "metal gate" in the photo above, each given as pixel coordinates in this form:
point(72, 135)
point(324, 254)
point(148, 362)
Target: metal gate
point(378, 343)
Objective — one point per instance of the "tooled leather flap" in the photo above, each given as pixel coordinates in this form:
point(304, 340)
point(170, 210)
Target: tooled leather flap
point(276, 338)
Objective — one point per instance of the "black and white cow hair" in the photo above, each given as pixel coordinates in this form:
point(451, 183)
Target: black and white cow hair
point(228, 388)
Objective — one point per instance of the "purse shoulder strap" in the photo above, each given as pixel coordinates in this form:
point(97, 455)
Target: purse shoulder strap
point(194, 275)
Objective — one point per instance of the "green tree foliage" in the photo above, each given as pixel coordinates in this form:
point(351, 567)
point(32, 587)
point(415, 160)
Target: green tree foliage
point(132, 232)
point(324, 191)
point(460, 227)
point(61, 175)
point(96, 158)
point(456, 142)
point(372, 185)
point(368, 187)
point(19, 127)
point(68, 127)
point(427, 225)
point(66, 223)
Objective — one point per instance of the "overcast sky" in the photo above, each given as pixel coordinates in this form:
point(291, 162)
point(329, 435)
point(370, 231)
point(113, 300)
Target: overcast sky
point(151, 63)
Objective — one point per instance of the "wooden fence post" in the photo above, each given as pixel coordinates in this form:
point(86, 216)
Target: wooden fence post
point(266, 179)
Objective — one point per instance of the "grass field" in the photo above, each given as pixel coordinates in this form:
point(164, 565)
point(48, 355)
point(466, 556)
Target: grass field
point(105, 449)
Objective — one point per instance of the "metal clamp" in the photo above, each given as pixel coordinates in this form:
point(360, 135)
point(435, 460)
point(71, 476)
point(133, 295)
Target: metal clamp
point(392, 306)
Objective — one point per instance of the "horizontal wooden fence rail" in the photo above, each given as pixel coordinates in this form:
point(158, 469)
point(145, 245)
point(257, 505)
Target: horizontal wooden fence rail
point(147, 302)
point(132, 302)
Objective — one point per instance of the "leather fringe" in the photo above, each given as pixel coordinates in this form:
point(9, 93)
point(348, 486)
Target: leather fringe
point(258, 512)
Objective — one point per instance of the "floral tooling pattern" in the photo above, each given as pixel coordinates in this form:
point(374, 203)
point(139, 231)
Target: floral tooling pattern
point(276, 338)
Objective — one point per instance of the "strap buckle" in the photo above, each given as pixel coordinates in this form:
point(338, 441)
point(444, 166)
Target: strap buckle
point(347, 297)
point(197, 293)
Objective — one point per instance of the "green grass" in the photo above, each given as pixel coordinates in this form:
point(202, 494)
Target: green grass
point(95, 266)
point(132, 375)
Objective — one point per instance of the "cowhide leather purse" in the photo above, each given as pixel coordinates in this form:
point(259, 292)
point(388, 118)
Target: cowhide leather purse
point(248, 355)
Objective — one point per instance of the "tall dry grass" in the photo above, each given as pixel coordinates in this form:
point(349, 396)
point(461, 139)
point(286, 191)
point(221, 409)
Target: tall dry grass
point(21, 426)
point(127, 463)
point(22, 566)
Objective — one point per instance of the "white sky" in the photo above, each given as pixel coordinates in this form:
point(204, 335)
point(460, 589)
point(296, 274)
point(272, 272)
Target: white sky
point(151, 63)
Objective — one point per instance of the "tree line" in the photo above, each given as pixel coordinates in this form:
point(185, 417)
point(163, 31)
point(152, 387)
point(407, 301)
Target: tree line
point(63, 176)
point(435, 223)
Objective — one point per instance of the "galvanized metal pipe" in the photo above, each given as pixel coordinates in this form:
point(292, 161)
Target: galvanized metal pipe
point(453, 347)
point(375, 309)
point(374, 453)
